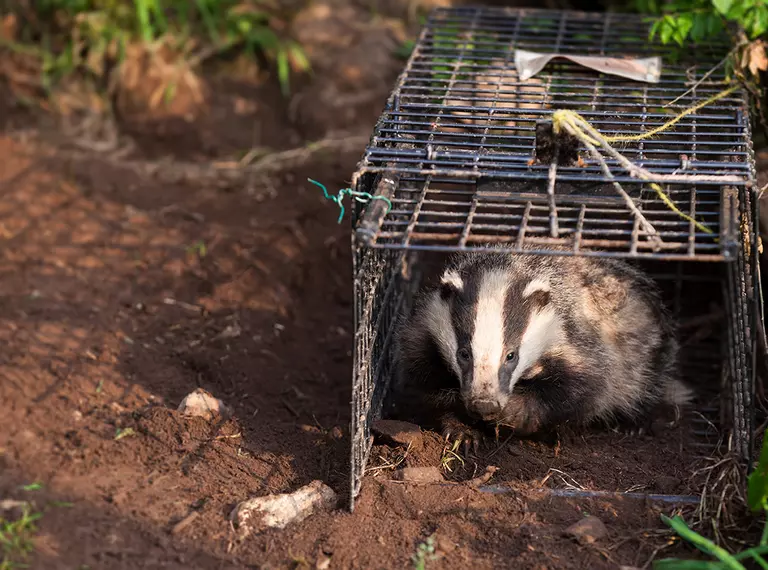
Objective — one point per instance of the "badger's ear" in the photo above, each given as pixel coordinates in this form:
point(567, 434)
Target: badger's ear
point(537, 293)
point(450, 283)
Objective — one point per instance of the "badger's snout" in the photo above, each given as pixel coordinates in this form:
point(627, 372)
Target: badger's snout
point(484, 409)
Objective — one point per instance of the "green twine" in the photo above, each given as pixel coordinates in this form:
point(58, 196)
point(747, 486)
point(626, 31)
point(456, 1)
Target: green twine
point(359, 196)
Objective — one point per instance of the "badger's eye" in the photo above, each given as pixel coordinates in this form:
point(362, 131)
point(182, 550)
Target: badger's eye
point(510, 356)
point(463, 354)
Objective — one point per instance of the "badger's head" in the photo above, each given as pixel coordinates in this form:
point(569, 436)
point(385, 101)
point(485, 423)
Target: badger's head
point(493, 325)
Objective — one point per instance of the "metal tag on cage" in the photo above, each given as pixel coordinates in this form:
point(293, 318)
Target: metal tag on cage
point(529, 63)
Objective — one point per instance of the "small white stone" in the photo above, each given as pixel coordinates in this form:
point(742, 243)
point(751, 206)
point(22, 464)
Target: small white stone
point(587, 530)
point(323, 562)
point(202, 404)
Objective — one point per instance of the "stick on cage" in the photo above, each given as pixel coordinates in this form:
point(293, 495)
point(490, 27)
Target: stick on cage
point(451, 151)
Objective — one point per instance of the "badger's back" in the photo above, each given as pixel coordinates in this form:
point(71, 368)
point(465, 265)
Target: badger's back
point(621, 327)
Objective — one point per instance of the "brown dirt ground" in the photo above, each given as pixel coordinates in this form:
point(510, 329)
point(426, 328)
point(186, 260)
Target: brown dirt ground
point(110, 314)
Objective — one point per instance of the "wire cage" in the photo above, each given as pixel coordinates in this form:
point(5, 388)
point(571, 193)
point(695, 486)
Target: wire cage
point(454, 153)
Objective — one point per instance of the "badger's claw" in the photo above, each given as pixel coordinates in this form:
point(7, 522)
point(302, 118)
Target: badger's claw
point(635, 427)
point(454, 430)
point(633, 431)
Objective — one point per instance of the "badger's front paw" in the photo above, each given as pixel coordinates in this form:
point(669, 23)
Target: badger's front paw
point(454, 430)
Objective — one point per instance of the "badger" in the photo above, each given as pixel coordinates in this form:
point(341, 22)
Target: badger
point(537, 342)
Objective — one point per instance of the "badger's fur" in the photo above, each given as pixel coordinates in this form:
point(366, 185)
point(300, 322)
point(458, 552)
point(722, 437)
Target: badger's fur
point(532, 342)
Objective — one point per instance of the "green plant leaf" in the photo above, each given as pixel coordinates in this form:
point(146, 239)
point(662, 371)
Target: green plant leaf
point(761, 561)
point(722, 6)
point(666, 29)
point(702, 543)
point(759, 21)
point(738, 11)
point(264, 38)
point(699, 28)
point(209, 21)
point(750, 552)
point(283, 71)
point(299, 58)
point(683, 24)
point(714, 24)
point(654, 29)
point(757, 482)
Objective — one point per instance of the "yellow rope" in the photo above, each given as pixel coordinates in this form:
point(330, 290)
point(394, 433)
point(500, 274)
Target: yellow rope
point(559, 116)
point(577, 125)
point(678, 118)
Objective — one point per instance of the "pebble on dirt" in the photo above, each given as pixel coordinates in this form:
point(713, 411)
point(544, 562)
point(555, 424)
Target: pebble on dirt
point(419, 475)
point(394, 431)
point(323, 562)
point(203, 404)
point(278, 511)
point(13, 505)
point(587, 530)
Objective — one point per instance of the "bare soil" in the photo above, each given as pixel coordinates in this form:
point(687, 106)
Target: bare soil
point(120, 294)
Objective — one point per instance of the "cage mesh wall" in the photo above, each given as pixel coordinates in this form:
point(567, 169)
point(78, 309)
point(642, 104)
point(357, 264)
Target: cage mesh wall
point(452, 152)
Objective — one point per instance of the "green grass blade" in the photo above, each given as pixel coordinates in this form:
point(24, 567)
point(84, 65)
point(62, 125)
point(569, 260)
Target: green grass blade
point(757, 482)
point(750, 553)
point(157, 11)
point(702, 543)
point(760, 560)
point(764, 536)
point(142, 15)
point(283, 71)
point(208, 21)
point(299, 58)
point(678, 564)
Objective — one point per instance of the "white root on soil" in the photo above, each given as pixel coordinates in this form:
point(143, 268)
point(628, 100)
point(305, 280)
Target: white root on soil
point(278, 511)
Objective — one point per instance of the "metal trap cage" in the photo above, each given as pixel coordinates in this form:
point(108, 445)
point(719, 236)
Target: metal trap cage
point(453, 154)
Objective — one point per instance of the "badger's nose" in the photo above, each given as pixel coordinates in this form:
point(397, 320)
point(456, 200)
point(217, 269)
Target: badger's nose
point(484, 408)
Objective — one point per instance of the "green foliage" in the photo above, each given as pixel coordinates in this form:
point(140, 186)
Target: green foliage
point(425, 551)
point(70, 35)
point(404, 51)
point(681, 21)
point(757, 499)
point(757, 484)
point(16, 539)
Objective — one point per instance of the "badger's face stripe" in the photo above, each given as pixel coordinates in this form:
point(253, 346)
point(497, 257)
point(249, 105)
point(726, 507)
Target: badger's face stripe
point(491, 327)
point(488, 340)
point(441, 328)
point(543, 331)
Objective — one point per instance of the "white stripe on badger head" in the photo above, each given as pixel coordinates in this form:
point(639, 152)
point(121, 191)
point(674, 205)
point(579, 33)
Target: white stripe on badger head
point(440, 326)
point(488, 336)
point(535, 285)
point(451, 277)
point(544, 330)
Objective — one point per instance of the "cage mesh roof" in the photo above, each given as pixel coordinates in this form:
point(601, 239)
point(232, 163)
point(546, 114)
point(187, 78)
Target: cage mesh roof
point(458, 136)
